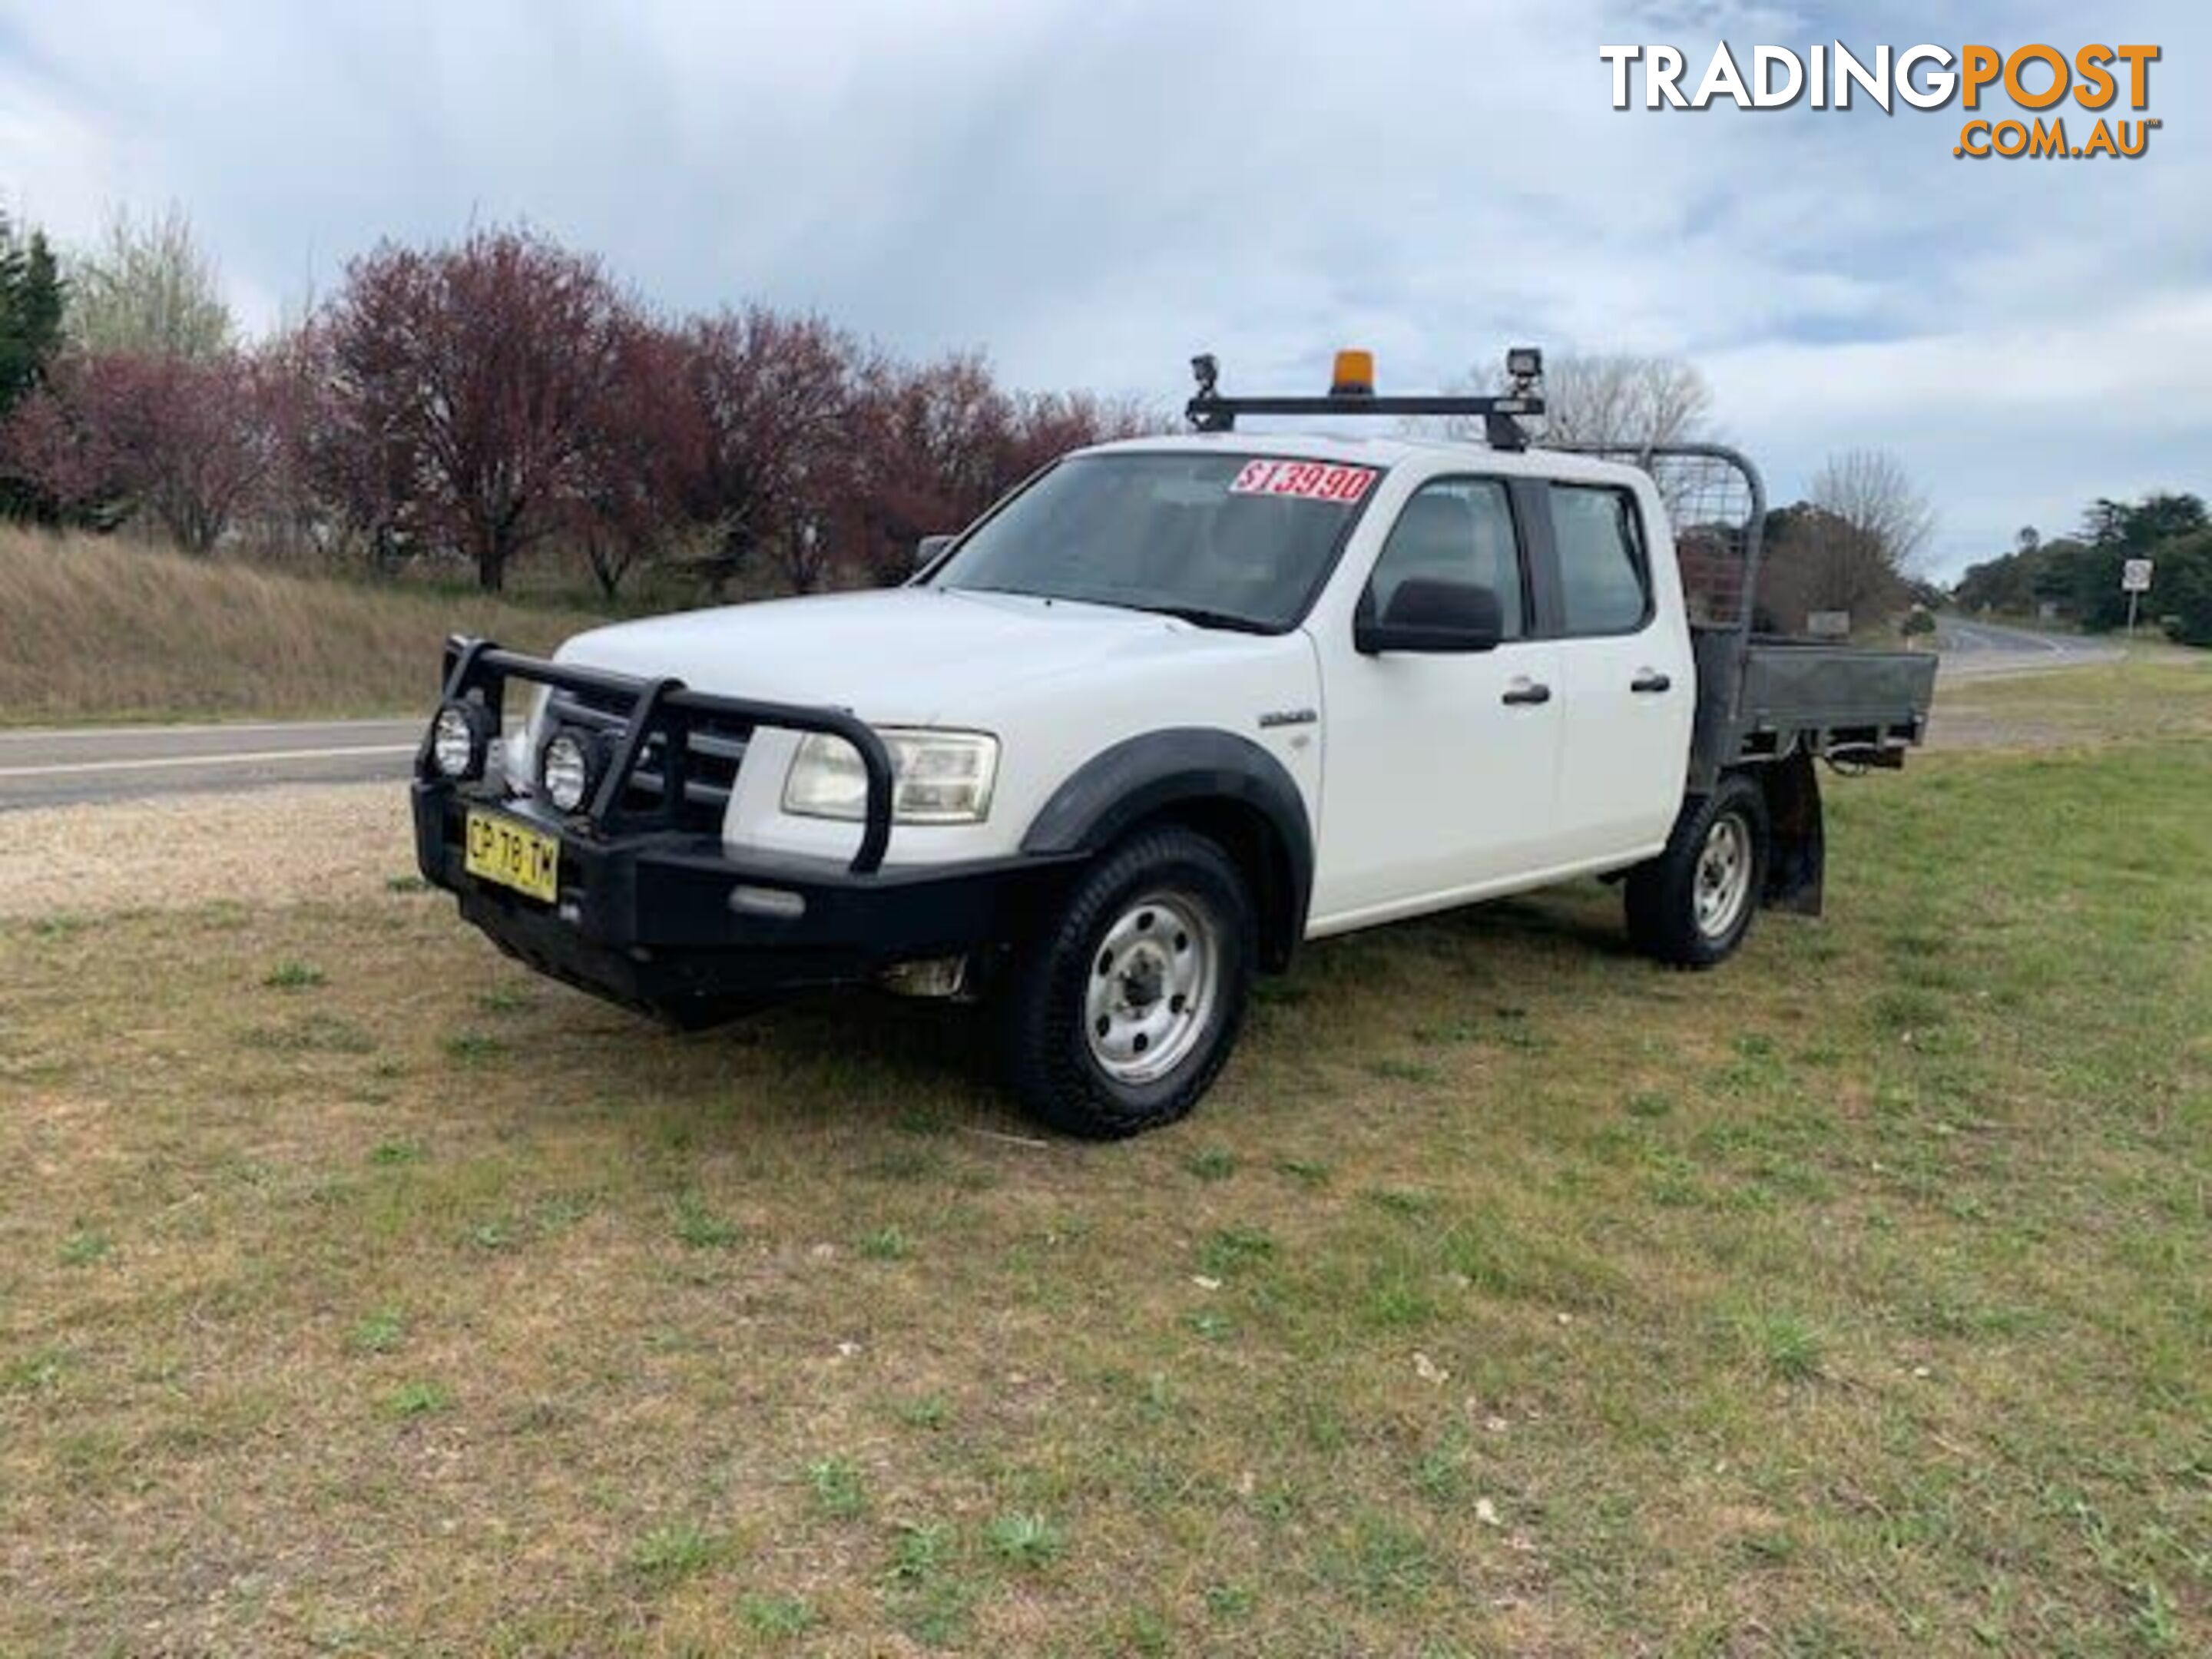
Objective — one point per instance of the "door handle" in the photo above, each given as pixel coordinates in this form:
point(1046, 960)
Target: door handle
point(1649, 679)
point(1521, 693)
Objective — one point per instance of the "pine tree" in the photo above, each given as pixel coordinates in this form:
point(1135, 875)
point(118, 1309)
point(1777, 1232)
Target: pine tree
point(30, 333)
point(30, 311)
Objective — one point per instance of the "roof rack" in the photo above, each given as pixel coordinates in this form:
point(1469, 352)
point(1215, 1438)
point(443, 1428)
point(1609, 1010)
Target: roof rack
point(1354, 393)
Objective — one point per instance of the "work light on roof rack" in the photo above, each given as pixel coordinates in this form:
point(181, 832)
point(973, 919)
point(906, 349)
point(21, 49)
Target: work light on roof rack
point(1352, 391)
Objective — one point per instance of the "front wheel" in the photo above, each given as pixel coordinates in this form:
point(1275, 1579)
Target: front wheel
point(1122, 1010)
point(1693, 904)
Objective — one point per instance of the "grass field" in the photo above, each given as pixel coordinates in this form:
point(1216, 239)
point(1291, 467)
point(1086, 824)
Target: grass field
point(94, 629)
point(361, 1293)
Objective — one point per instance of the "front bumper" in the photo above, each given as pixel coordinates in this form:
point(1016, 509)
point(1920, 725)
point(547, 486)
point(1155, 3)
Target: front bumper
point(670, 924)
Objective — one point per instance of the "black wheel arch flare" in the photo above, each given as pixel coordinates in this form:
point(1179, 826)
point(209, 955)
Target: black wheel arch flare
point(1217, 781)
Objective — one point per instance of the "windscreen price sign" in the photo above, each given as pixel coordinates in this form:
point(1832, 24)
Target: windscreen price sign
point(2134, 576)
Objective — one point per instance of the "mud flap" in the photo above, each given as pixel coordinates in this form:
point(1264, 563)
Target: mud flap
point(1797, 860)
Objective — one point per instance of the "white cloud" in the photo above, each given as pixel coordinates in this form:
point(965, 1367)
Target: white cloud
point(1092, 191)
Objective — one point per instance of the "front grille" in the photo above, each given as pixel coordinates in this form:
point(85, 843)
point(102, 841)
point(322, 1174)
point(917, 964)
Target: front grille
point(713, 750)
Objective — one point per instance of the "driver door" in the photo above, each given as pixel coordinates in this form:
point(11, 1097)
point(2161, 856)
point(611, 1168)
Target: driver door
point(1439, 767)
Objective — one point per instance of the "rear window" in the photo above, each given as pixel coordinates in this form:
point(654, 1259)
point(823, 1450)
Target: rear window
point(1604, 581)
point(1237, 541)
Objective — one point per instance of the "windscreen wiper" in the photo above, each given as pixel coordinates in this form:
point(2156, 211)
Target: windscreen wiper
point(1199, 614)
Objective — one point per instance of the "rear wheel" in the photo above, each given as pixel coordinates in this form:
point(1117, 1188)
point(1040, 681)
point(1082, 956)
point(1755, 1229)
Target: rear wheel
point(1693, 905)
point(1119, 1015)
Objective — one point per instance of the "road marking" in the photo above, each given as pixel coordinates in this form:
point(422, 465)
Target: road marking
point(257, 757)
point(73, 733)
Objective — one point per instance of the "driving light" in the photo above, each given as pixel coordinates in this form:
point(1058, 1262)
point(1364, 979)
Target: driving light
point(568, 770)
point(938, 777)
point(1353, 376)
point(459, 738)
point(1524, 363)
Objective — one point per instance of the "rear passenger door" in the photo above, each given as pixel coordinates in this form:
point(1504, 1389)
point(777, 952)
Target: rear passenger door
point(1628, 685)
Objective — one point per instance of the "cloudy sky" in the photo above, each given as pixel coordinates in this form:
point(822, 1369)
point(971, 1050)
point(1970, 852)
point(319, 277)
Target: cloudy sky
point(1090, 190)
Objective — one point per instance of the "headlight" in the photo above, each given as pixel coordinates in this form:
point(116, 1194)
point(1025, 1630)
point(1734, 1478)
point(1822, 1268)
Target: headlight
point(568, 770)
point(938, 777)
point(459, 739)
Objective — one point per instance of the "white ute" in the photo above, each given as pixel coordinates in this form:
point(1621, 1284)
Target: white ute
point(1174, 706)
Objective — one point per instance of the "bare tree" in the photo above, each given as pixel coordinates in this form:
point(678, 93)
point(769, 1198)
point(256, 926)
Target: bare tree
point(1614, 398)
point(1622, 397)
point(1816, 559)
point(1853, 547)
point(148, 289)
point(1870, 490)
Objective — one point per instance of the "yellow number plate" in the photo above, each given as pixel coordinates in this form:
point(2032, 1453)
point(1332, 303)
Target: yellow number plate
point(514, 855)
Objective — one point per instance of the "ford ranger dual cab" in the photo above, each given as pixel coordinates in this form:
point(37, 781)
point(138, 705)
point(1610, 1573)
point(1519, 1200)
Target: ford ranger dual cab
point(1172, 707)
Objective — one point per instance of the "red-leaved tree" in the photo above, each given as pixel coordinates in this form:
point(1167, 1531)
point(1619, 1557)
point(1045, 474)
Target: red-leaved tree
point(775, 395)
point(188, 441)
point(937, 443)
point(475, 369)
point(645, 449)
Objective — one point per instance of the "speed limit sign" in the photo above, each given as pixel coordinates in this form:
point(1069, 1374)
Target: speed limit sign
point(2134, 576)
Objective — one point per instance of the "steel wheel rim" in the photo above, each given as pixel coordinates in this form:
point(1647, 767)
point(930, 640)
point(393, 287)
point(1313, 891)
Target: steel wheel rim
point(1723, 879)
point(1153, 981)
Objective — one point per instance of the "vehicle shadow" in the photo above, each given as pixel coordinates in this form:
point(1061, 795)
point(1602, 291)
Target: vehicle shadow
point(870, 1060)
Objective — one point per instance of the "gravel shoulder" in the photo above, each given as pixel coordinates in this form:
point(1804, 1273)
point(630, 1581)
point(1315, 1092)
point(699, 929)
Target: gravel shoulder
point(266, 846)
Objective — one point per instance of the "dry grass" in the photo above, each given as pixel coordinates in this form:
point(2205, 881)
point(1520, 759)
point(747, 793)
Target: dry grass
point(2155, 691)
point(94, 628)
point(361, 1293)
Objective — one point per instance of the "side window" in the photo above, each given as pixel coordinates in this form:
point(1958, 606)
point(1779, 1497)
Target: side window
point(1457, 530)
point(1604, 581)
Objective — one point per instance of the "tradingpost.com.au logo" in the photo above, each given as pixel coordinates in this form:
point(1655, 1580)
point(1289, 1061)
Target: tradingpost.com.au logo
point(2034, 78)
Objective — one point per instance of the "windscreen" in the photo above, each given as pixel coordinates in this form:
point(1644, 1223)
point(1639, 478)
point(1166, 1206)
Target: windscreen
point(1227, 541)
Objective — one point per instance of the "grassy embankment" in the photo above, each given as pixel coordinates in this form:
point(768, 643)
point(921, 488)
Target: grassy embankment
point(361, 1292)
point(94, 629)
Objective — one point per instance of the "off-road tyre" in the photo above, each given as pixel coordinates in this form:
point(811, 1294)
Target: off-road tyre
point(1692, 906)
point(1089, 1010)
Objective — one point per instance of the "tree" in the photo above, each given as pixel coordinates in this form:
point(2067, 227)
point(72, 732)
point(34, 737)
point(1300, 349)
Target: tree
point(1851, 547)
point(2114, 533)
point(1870, 490)
point(188, 442)
point(1816, 559)
point(1624, 398)
point(148, 289)
point(206, 445)
point(940, 441)
point(776, 399)
point(54, 462)
point(646, 449)
point(30, 298)
point(473, 370)
point(1621, 398)
point(2184, 586)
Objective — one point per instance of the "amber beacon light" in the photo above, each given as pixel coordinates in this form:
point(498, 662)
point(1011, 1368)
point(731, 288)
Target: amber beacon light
point(1354, 375)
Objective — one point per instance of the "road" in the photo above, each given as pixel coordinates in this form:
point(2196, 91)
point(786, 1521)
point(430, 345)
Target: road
point(1983, 647)
point(62, 765)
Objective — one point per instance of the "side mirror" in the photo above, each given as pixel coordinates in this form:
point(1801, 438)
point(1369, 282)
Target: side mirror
point(929, 548)
point(1427, 614)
